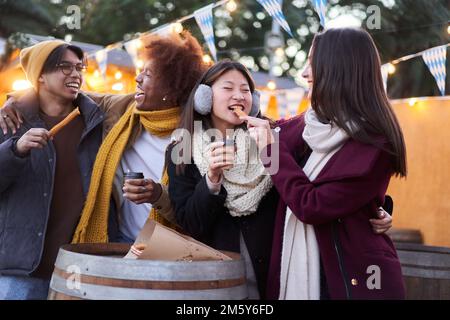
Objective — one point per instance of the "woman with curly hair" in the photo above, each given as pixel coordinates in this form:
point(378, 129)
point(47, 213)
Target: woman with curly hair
point(141, 128)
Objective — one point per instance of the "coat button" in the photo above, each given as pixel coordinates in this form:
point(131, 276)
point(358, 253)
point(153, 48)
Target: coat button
point(354, 282)
point(39, 234)
point(45, 194)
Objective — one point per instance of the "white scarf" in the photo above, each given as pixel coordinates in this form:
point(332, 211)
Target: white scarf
point(246, 182)
point(300, 261)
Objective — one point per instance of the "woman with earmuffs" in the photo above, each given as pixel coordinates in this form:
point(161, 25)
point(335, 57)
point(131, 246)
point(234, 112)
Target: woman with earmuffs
point(218, 186)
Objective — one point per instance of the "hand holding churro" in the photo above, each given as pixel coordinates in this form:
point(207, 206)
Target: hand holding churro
point(64, 122)
point(32, 139)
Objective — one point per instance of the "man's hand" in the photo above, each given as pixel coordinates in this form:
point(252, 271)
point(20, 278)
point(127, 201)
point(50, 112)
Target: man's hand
point(35, 138)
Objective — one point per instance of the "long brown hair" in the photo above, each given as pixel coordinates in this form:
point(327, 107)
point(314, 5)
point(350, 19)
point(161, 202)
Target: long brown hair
point(348, 88)
point(189, 115)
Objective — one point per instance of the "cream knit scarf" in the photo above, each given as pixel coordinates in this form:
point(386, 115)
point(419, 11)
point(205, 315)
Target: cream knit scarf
point(300, 262)
point(246, 183)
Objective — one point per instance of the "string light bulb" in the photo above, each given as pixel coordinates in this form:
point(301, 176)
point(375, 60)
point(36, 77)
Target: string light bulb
point(271, 85)
point(448, 30)
point(231, 6)
point(117, 86)
point(207, 59)
point(391, 68)
point(177, 27)
point(21, 85)
point(139, 64)
point(279, 52)
point(138, 44)
point(118, 75)
point(412, 102)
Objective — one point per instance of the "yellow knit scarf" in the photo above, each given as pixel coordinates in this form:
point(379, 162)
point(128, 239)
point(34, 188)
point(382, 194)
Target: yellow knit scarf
point(93, 225)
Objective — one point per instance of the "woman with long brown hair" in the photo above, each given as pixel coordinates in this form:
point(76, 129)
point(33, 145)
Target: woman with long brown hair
point(335, 164)
point(219, 189)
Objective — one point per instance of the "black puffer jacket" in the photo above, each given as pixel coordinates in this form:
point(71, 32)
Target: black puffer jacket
point(26, 186)
point(204, 216)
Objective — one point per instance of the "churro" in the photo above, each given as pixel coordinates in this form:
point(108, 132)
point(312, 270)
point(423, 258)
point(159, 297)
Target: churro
point(65, 121)
point(239, 112)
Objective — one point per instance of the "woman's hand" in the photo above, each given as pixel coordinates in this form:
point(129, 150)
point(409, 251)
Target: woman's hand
point(259, 130)
point(35, 138)
point(141, 190)
point(10, 117)
point(220, 158)
point(383, 223)
point(137, 249)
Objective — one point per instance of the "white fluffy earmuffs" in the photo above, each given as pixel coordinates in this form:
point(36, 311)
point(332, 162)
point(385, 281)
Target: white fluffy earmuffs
point(203, 99)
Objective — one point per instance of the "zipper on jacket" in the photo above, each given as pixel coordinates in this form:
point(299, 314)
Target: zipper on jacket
point(49, 203)
point(338, 249)
point(91, 127)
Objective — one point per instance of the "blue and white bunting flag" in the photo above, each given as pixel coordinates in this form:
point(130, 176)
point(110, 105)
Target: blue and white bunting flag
point(102, 60)
point(435, 59)
point(133, 47)
point(274, 9)
point(320, 6)
point(163, 30)
point(204, 20)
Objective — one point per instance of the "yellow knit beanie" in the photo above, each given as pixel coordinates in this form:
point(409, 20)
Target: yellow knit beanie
point(33, 58)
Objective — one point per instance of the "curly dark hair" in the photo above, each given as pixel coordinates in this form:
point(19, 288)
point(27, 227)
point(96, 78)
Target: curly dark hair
point(177, 63)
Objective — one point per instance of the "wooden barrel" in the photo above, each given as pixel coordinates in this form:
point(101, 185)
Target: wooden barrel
point(98, 271)
point(405, 235)
point(426, 271)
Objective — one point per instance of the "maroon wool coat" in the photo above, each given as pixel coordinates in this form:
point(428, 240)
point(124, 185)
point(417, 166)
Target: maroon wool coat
point(339, 203)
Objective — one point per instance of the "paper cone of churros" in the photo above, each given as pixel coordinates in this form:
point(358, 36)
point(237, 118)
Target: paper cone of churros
point(159, 242)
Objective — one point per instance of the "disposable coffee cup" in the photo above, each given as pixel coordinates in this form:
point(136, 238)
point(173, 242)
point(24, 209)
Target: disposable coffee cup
point(228, 142)
point(133, 175)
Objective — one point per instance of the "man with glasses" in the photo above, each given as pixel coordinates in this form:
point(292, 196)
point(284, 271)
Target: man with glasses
point(44, 179)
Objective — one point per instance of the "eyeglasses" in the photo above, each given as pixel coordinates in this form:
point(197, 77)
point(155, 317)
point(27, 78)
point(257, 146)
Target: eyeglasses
point(67, 68)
